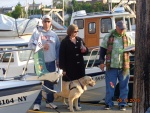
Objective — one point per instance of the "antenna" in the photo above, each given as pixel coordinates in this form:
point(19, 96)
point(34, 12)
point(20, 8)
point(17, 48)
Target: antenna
point(110, 6)
point(27, 8)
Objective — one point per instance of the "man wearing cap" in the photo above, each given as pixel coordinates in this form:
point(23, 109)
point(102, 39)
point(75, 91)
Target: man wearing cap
point(117, 64)
point(51, 44)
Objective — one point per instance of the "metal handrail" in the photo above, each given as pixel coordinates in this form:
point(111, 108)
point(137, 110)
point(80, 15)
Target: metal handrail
point(95, 49)
point(11, 51)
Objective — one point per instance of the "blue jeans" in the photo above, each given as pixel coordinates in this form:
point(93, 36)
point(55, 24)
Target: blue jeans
point(111, 76)
point(50, 97)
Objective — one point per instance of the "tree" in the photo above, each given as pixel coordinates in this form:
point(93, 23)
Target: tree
point(141, 86)
point(17, 12)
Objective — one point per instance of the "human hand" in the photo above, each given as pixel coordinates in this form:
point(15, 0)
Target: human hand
point(83, 49)
point(102, 67)
point(64, 73)
point(46, 46)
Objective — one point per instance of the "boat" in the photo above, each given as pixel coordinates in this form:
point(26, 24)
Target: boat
point(18, 96)
point(19, 92)
point(92, 28)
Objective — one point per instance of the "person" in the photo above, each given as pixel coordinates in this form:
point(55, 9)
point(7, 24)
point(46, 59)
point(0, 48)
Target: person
point(51, 44)
point(72, 49)
point(117, 64)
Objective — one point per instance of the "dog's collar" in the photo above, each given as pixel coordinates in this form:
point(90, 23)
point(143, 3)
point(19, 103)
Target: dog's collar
point(81, 85)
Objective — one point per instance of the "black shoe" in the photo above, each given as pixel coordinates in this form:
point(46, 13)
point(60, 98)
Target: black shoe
point(122, 108)
point(107, 107)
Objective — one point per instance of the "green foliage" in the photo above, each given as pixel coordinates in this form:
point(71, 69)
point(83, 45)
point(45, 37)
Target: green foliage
point(17, 12)
point(9, 14)
point(96, 7)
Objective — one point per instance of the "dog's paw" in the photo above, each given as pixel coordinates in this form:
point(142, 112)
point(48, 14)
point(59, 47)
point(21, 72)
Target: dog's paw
point(71, 110)
point(78, 109)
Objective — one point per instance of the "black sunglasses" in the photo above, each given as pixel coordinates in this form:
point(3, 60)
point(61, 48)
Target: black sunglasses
point(47, 21)
point(76, 31)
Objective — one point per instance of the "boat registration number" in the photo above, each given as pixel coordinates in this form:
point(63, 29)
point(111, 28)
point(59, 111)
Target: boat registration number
point(12, 100)
point(6, 101)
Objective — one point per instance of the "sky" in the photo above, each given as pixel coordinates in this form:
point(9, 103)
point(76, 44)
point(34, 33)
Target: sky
point(9, 3)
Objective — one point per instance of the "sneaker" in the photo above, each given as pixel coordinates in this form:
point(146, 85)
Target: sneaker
point(107, 107)
point(122, 108)
point(74, 107)
point(51, 105)
point(80, 107)
point(36, 107)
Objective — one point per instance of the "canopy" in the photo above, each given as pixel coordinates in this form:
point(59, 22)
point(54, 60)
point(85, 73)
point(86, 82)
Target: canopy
point(15, 27)
point(21, 26)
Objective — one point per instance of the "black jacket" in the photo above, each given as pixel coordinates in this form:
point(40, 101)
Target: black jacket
point(71, 59)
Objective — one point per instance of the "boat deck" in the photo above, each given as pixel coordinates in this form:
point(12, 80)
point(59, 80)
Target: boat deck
point(86, 108)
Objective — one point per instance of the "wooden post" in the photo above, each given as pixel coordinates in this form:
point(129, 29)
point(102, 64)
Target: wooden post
point(141, 84)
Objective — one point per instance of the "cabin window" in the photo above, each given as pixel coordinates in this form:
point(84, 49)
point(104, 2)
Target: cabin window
point(5, 57)
point(92, 28)
point(127, 23)
point(106, 25)
point(79, 23)
point(24, 55)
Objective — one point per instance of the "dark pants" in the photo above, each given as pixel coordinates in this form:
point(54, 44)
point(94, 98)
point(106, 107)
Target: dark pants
point(50, 97)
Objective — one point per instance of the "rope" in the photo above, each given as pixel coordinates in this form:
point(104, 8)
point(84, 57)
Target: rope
point(17, 28)
point(26, 26)
point(50, 104)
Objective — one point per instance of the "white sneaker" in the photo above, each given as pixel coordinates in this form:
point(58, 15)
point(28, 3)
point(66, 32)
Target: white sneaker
point(51, 105)
point(36, 107)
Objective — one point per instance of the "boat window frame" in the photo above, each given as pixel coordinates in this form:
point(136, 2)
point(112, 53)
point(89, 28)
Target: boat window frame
point(31, 57)
point(105, 31)
point(80, 25)
point(92, 31)
point(7, 54)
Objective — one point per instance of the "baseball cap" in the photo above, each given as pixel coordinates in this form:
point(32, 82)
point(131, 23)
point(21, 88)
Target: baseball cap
point(46, 17)
point(121, 25)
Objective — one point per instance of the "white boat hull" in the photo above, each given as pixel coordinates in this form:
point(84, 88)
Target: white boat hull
point(18, 96)
point(22, 102)
point(96, 93)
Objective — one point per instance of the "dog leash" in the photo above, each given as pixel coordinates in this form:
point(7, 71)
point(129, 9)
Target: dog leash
point(50, 104)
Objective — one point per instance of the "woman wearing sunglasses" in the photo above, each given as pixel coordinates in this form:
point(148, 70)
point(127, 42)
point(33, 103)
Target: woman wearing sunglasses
point(71, 53)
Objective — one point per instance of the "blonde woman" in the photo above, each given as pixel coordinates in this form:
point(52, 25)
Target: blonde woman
point(71, 53)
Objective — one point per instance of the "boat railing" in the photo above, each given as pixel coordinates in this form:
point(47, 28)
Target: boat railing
point(92, 58)
point(4, 52)
point(54, 77)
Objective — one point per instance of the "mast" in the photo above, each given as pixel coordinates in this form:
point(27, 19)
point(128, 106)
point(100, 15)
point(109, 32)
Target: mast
point(27, 8)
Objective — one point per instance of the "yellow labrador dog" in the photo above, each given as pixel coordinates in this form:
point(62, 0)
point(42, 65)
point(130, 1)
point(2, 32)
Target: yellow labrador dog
point(73, 90)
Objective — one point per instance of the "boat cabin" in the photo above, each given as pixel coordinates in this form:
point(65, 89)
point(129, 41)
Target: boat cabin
point(17, 59)
point(94, 26)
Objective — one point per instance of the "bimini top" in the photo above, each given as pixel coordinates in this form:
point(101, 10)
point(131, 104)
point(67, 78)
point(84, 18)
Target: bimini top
point(117, 11)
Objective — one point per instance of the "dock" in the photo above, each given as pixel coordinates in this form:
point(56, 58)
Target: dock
point(87, 107)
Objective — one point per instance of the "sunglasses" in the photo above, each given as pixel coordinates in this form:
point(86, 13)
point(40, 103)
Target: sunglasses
point(47, 21)
point(76, 31)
